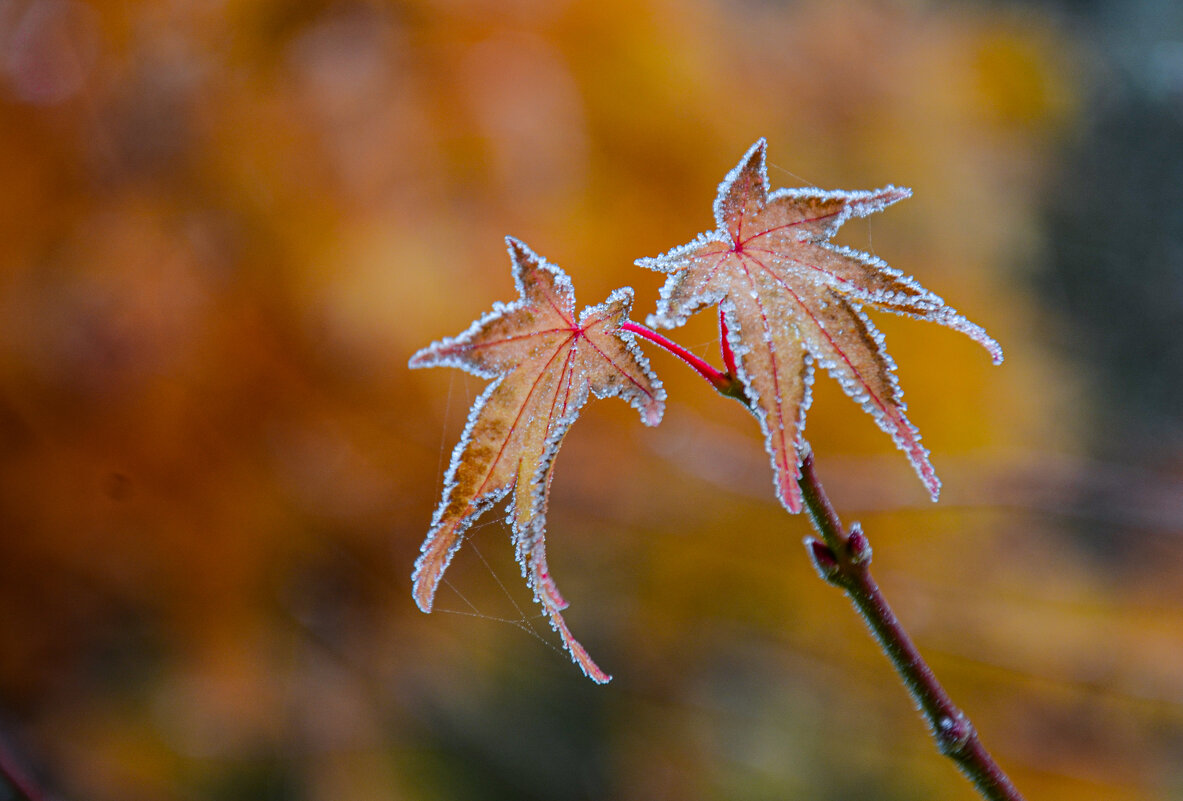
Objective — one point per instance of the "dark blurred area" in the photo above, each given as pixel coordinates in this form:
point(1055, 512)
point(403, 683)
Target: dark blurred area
point(226, 225)
point(1114, 267)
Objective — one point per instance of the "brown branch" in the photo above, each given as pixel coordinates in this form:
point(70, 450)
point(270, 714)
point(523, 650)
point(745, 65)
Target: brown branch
point(843, 558)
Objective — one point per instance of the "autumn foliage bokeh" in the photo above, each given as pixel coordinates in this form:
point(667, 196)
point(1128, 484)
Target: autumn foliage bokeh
point(226, 226)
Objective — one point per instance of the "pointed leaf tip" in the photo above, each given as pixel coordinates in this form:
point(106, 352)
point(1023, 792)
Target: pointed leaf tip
point(519, 253)
point(789, 492)
point(994, 349)
point(755, 159)
point(515, 245)
point(423, 590)
point(424, 602)
point(792, 502)
point(894, 194)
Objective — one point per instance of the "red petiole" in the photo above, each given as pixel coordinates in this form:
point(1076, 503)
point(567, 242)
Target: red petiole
point(725, 383)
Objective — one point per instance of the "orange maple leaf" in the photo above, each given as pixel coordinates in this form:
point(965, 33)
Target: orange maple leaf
point(789, 299)
point(544, 363)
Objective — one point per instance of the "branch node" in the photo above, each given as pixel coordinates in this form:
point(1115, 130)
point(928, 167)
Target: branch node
point(953, 733)
point(858, 546)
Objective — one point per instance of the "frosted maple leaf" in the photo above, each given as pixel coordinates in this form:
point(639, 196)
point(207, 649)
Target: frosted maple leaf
point(544, 363)
point(788, 299)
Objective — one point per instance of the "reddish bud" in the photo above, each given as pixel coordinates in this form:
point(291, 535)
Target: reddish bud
point(823, 558)
point(858, 545)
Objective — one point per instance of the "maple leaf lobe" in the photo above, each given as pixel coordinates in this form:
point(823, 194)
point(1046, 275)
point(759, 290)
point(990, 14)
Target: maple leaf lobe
point(544, 364)
point(790, 299)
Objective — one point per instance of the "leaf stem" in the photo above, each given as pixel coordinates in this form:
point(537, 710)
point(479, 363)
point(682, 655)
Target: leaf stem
point(724, 383)
point(843, 559)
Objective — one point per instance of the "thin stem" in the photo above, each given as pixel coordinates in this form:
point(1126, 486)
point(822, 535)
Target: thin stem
point(723, 382)
point(844, 561)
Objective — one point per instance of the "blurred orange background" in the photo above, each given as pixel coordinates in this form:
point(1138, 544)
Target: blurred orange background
point(226, 226)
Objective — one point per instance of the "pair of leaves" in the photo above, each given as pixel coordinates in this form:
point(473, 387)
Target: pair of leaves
point(787, 298)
